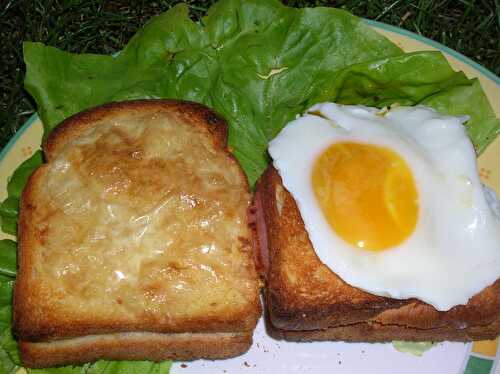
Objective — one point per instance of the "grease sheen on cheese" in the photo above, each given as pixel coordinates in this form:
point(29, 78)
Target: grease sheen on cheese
point(452, 250)
point(145, 219)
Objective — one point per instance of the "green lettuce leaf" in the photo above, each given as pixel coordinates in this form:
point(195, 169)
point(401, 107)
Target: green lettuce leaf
point(255, 62)
point(61, 370)
point(6, 364)
point(8, 215)
point(10, 206)
point(8, 265)
point(410, 79)
point(7, 342)
point(9, 358)
point(258, 63)
point(129, 367)
point(110, 367)
point(414, 348)
point(483, 126)
point(22, 173)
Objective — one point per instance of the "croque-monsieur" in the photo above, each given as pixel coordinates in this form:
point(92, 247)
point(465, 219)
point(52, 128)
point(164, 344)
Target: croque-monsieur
point(306, 301)
point(394, 284)
point(134, 240)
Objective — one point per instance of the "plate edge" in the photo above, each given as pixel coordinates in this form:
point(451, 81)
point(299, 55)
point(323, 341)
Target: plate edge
point(34, 117)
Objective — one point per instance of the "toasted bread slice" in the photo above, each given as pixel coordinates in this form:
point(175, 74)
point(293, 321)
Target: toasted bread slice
point(137, 223)
point(305, 300)
point(373, 332)
point(135, 346)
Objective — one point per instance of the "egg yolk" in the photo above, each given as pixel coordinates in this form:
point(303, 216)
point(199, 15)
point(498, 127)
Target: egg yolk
point(367, 194)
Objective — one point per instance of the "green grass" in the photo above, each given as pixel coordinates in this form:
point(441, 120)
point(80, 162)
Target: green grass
point(99, 26)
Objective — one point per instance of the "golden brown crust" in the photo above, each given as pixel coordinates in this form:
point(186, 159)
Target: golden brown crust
point(303, 294)
point(156, 347)
point(40, 314)
point(194, 113)
point(372, 332)
point(23, 289)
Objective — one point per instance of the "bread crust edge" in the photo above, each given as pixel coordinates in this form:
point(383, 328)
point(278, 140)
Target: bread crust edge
point(146, 346)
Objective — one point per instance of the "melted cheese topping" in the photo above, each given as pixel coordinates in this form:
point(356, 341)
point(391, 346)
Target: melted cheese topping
point(147, 217)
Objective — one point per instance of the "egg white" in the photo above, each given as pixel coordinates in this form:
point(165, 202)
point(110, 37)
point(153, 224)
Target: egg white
point(454, 251)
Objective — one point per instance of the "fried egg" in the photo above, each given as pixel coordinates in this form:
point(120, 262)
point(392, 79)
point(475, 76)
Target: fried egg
point(392, 200)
